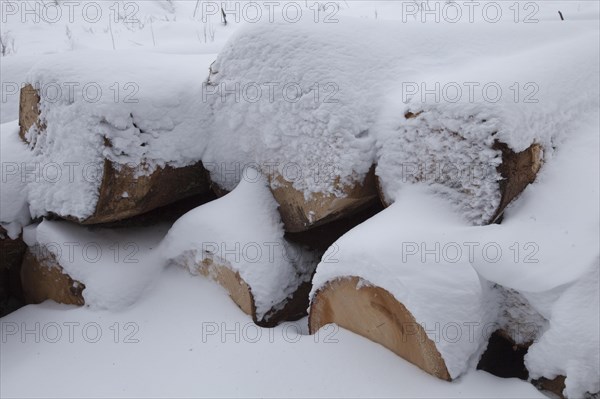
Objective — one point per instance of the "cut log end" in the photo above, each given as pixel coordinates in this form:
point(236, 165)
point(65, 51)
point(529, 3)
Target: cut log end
point(518, 170)
point(299, 215)
point(43, 278)
point(237, 288)
point(29, 111)
point(240, 292)
point(374, 313)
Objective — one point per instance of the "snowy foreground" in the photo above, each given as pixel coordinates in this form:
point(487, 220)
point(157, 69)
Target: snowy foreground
point(150, 328)
point(186, 338)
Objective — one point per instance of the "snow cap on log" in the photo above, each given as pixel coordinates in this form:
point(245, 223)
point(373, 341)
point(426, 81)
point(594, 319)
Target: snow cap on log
point(106, 149)
point(406, 296)
point(480, 146)
point(238, 240)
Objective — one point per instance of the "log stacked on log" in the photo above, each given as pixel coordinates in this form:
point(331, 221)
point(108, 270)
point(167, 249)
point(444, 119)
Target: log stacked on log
point(299, 214)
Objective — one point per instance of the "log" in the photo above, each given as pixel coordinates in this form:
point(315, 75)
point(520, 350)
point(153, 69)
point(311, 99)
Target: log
point(238, 241)
point(145, 191)
point(240, 292)
point(299, 214)
point(554, 387)
point(374, 313)
point(43, 278)
point(29, 111)
point(518, 170)
point(435, 155)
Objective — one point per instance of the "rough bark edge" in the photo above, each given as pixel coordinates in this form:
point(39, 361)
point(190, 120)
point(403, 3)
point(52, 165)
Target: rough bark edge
point(43, 278)
point(379, 317)
point(162, 187)
point(518, 170)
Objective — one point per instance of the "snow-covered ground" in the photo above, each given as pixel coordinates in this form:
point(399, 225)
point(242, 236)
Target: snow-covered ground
point(186, 338)
point(152, 329)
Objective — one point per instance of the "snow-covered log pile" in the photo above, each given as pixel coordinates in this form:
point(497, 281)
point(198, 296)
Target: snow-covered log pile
point(111, 141)
point(453, 165)
point(238, 240)
point(301, 104)
point(301, 136)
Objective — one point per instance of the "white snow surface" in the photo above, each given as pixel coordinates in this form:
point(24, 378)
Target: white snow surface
point(366, 59)
point(440, 294)
point(546, 249)
point(186, 338)
point(570, 345)
point(298, 94)
point(243, 231)
point(528, 100)
point(150, 115)
point(116, 265)
point(16, 165)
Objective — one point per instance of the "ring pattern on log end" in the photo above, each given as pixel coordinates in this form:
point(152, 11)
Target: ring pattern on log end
point(374, 313)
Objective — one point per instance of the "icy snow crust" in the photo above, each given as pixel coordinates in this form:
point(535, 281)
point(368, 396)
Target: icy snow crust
point(140, 115)
point(244, 232)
